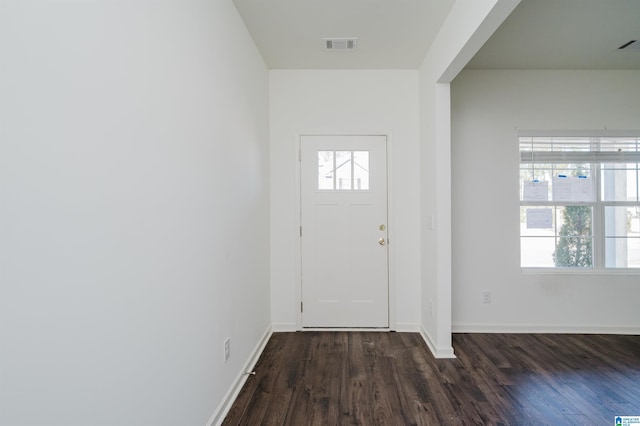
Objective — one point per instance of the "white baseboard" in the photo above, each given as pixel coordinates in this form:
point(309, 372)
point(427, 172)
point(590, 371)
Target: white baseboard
point(403, 327)
point(284, 327)
point(231, 395)
point(446, 352)
point(407, 327)
point(374, 330)
point(543, 329)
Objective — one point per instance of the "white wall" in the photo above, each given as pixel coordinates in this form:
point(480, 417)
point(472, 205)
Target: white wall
point(467, 27)
point(134, 216)
point(349, 102)
point(487, 106)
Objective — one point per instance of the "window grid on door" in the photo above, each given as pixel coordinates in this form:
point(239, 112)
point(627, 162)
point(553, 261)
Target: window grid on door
point(343, 170)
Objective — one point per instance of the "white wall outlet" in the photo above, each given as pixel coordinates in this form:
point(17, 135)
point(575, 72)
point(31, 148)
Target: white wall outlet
point(227, 349)
point(486, 297)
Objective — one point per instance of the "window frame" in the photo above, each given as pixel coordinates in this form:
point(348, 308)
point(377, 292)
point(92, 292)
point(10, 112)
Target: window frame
point(598, 205)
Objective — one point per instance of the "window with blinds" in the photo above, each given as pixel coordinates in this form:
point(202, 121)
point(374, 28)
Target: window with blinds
point(579, 201)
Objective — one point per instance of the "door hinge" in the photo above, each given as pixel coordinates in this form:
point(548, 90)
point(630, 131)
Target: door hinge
point(301, 230)
point(300, 154)
point(301, 307)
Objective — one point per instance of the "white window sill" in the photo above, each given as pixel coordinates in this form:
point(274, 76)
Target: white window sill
point(580, 271)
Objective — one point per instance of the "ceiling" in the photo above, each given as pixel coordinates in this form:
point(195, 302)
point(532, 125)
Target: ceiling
point(564, 34)
point(396, 34)
point(392, 34)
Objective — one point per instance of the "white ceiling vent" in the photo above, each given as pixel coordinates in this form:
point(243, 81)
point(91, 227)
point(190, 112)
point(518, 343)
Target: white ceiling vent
point(340, 43)
point(630, 45)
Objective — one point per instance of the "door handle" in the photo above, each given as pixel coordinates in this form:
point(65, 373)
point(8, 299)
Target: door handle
point(381, 241)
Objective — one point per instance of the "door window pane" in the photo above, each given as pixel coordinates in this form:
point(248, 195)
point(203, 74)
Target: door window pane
point(361, 170)
point(343, 170)
point(326, 173)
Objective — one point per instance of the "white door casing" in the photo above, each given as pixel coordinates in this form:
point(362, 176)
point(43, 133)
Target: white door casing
point(344, 251)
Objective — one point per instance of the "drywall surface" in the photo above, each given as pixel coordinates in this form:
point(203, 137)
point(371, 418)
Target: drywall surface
point(134, 216)
point(467, 27)
point(487, 108)
point(345, 102)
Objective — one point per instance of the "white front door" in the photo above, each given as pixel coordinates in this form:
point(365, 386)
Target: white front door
point(345, 280)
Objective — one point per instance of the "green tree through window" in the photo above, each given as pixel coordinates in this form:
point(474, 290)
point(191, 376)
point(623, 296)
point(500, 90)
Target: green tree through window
point(574, 245)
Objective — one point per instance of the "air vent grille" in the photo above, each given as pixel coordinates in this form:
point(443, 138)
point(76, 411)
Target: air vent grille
point(340, 43)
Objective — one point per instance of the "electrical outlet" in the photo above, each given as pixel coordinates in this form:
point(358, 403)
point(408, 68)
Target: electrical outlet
point(227, 349)
point(486, 297)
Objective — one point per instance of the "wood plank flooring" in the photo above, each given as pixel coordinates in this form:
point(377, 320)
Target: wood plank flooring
point(378, 378)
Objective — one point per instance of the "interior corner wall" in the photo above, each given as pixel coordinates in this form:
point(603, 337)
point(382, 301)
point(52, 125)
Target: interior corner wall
point(435, 223)
point(345, 102)
point(487, 107)
point(467, 27)
point(134, 221)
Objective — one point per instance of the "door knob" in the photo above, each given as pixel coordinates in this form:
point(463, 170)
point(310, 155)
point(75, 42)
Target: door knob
point(381, 241)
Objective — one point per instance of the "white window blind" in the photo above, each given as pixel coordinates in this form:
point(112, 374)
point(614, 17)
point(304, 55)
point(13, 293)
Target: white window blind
point(579, 149)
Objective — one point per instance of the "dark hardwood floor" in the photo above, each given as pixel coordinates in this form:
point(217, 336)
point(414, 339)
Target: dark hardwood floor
point(377, 378)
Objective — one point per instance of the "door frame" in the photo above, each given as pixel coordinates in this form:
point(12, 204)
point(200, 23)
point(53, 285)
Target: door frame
point(390, 228)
